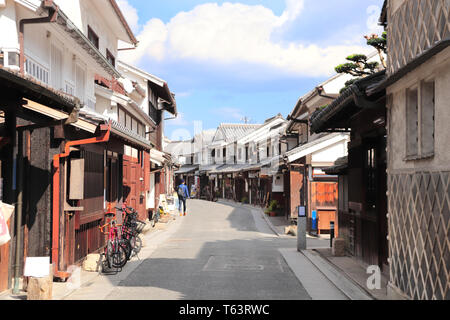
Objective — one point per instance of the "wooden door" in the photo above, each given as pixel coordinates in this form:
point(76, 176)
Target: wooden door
point(132, 183)
point(324, 199)
point(325, 217)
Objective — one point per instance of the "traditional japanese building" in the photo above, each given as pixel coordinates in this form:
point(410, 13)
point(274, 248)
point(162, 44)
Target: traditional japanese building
point(362, 206)
point(71, 120)
point(418, 157)
point(309, 187)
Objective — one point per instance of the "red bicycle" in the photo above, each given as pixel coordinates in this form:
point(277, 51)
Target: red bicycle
point(115, 253)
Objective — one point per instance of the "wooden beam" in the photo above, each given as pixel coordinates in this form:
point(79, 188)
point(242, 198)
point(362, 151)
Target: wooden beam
point(40, 108)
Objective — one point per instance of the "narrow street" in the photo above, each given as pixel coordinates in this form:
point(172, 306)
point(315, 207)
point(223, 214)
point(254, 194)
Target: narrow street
point(218, 252)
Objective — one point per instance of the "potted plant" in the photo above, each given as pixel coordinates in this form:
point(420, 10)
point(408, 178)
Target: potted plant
point(271, 210)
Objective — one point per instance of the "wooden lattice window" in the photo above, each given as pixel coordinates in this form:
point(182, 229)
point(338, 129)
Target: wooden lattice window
point(420, 117)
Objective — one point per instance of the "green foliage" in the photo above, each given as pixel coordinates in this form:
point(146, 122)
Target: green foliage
point(358, 58)
point(379, 43)
point(346, 67)
point(244, 200)
point(273, 205)
point(357, 64)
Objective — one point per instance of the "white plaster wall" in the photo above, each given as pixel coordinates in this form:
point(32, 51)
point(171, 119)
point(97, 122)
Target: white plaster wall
point(38, 42)
point(330, 154)
point(9, 38)
point(278, 183)
point(83, 13)
point(439, 69)
point(132, 76)
point(73, 10)
point(106, 108)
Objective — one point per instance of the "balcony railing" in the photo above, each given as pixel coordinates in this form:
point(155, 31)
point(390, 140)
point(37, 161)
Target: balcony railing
point(36, 70)
point(416, 26)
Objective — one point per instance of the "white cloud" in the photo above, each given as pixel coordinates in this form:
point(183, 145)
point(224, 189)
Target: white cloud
point(229, 113)
point(233, 33)
point(130, 13)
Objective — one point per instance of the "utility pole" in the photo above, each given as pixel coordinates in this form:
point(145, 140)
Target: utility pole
point(246, 120)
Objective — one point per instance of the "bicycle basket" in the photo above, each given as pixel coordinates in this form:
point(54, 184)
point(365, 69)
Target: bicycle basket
point(140, 226)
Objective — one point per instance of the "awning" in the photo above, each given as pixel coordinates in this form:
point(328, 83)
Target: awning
point(314, 146)
point(210, 168)
point(233, 168)
point(157, 157)
point(187, 169)
point(340, 165)
point(218, 169)
point(35, 90)
point(252, 167)
point(60, 115)
point(118, 129)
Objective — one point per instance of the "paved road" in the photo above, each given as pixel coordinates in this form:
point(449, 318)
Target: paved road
point(218, 252)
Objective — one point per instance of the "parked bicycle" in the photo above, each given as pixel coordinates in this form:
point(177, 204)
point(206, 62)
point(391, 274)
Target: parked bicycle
point(131, 229)
point(114, 252)
point(123, 239)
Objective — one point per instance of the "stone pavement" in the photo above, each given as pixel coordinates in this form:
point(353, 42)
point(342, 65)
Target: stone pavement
point(357, 272)
point(320, 275)
point(80, 288)
point(345, 273)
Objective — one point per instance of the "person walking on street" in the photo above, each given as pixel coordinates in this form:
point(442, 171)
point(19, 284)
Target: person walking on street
point(183, 194)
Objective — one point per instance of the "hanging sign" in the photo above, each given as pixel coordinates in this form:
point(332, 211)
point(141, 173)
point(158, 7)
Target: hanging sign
point(37, 267)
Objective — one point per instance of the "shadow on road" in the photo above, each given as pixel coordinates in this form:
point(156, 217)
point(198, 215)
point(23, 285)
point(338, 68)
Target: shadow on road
point(218, 254)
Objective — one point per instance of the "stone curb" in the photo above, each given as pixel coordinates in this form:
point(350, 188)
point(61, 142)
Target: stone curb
point(345, 274)
point(345, 284)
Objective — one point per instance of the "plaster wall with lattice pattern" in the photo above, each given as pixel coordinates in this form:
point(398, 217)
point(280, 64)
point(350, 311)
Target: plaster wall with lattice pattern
point(415, 26)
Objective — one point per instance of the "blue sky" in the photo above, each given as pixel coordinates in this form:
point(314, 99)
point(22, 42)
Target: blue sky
point(226, 60)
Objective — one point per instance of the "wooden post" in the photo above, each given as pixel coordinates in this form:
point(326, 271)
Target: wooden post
point(41, 288)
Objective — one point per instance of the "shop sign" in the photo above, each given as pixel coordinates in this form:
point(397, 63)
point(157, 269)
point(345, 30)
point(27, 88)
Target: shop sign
point(253, 175)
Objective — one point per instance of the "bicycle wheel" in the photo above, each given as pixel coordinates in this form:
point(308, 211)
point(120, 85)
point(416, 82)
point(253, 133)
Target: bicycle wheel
point(128, 247)
point(137, 246)
point(119, 256)
point(109, 254)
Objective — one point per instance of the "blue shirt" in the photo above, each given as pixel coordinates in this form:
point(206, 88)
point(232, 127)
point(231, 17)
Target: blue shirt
point(185, 190)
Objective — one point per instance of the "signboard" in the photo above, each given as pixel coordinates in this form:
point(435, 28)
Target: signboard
point(37, 267)
point(253, 175)
point(301, 211)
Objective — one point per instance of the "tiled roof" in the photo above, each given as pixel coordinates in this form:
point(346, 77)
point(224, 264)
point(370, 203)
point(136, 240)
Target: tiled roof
point(232, 132)
point(187, 169)
point(35, 90)
point(321, 118)
point(118, 129)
